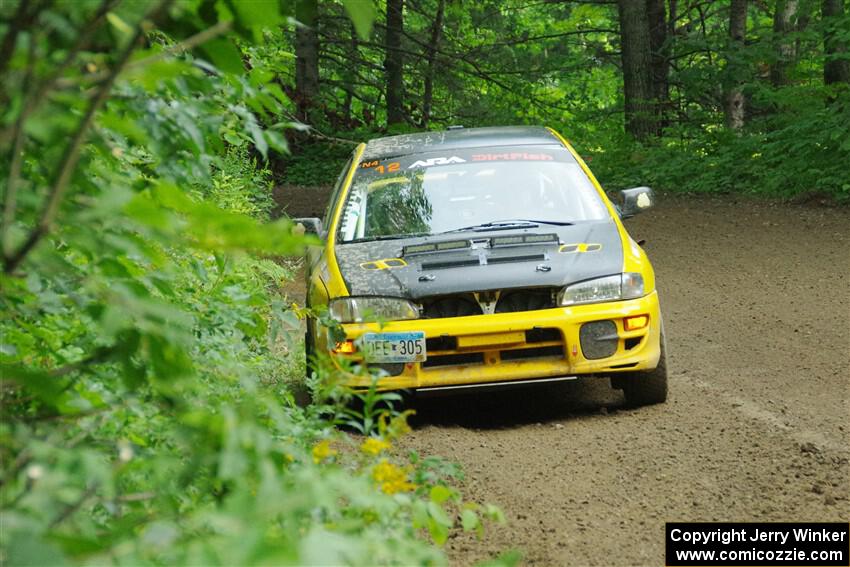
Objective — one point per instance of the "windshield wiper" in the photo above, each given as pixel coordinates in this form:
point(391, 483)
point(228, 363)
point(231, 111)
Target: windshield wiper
point(549, 222)
point(507, 225)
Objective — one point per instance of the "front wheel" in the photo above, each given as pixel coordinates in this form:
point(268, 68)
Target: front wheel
point(645, 388)
point(300, 391)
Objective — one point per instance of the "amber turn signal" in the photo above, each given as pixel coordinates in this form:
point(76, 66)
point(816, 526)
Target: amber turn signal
point(345, 347)
point(636, 322)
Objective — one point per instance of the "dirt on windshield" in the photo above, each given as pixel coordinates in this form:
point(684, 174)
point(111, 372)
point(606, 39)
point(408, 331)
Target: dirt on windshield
point(756, 300)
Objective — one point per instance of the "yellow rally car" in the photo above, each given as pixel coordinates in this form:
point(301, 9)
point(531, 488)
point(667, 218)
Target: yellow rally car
point(484, 256)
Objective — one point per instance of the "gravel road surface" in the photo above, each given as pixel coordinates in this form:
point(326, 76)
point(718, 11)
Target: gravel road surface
point(756, 299)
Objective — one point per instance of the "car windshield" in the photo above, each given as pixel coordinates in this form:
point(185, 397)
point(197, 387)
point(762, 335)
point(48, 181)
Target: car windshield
point(467, 189)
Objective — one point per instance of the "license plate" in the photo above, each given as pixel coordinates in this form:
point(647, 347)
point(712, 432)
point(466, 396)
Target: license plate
point(394, 347)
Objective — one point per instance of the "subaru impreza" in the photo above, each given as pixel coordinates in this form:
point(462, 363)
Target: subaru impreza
point(483, 256)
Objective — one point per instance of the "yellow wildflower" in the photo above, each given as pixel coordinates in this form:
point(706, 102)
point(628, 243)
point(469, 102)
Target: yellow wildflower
point(396, 426)
point(374, 446)
point(323, 450)
point(391, 478)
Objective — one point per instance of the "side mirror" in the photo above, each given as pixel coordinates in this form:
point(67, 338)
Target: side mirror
point(635, 201)
point(310, 225)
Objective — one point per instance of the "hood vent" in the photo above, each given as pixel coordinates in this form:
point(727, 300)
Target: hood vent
point(519, 239)
point(445, 264)
point(435, 247)
point(509, 259)
point(466, 262)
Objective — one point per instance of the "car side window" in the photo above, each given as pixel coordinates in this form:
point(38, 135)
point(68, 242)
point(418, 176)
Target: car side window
point(335, 194)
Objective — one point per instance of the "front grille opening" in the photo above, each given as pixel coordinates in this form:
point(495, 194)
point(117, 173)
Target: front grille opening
point(454, 359)
point(441, 343)
point(598, 339)
point(629, 365)
point(525, 300)
point(629, 344)
point(450, 306)
point(542, 335)
point(537, 352)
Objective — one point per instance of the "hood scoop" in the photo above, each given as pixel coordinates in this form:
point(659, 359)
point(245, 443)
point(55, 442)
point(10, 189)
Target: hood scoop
point(483, 260)
point(509, 259)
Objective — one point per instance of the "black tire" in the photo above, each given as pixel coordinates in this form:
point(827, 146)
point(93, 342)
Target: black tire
point(302, 395)
point(300, 391)
point(309, 349)
point(645, 388)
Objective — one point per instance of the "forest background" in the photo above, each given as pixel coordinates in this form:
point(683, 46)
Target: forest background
point(149, 358)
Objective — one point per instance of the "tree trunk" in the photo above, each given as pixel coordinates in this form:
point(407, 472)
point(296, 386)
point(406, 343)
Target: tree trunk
point(784, 16)
point(657, 19)
point(354, 56)
point(734, 100)
point(306, 57)
point(671, 18)
point(393, 63)
point(835, 69)
point(436, 32)
point(637, 69)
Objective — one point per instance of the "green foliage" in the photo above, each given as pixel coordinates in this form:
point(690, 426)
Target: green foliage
point(800, 150)
point(313, 164)
point(147, 356)
point(238, 185)
point(559, 64)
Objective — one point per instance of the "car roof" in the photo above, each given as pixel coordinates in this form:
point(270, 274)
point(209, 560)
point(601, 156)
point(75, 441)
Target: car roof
point(406, 144)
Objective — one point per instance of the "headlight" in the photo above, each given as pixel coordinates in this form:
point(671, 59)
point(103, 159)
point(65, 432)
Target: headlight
point(358, 309)
point(609, 288)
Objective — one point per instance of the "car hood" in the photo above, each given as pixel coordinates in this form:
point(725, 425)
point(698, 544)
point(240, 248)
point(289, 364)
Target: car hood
point(575, 253)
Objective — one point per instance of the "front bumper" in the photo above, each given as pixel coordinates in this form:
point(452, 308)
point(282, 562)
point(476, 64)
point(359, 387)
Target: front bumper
point(516, 346)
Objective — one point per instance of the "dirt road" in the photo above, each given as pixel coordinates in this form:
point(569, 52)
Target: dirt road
point(756, 298)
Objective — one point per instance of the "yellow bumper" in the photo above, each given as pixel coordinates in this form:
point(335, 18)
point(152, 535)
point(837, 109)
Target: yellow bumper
point(516, 346)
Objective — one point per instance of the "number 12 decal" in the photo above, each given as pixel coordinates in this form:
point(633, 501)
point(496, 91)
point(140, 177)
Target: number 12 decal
point(394, 166)
point(389, 168)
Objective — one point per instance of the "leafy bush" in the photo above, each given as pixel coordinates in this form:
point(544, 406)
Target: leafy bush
point(239, 185)
point(146, 355)
point(798, 149)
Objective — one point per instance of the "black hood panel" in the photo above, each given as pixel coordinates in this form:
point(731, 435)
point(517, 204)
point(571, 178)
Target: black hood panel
point(481, 268)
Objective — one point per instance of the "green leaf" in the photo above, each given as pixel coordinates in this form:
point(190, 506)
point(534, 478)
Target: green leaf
point(224, 55)
point(494, 513)
point(120, 25)
point(510, 558)
point(124, 126)
point(44, 386)
point(276, 141)
point(257, 135)
point(439, 531)
point(440, 494)
point(252, 16)
point(259, 76)
point(469, 520)
point(438, 523)
point(30, 549)
point(362, 14)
